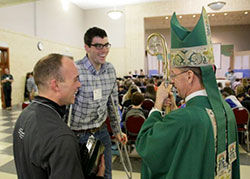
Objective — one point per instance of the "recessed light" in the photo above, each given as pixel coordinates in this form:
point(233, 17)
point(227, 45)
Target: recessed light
point(166, 17)
point(225, 14)
point(212, 14)
point(180, 17)
point(194, 16)
point(246, 12)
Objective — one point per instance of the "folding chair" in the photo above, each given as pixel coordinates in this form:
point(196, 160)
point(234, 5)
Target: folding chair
point(148, 104)
point(133, 125)
point(242, 119)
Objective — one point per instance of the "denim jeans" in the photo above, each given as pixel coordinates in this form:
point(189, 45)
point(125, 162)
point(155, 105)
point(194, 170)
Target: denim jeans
point(104, 137)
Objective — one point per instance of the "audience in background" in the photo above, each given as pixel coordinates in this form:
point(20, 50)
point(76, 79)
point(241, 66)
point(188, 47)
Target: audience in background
point(246, 84)
point(236, 83)
point(220, 87)
point(135, 108)
point(231, 100)
point(230, 75)
point(228, 88)
point(31, 87)
point(126, 100)
point(245, 100)
point(150, 92)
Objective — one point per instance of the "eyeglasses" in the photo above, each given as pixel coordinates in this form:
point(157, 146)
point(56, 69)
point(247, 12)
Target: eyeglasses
point(101, 46)
point(175, 75)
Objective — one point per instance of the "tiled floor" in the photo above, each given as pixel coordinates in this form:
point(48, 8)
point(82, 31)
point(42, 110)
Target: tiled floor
point(7, 167)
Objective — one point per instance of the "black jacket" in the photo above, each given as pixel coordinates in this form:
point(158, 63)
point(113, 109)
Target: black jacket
point(44, 146)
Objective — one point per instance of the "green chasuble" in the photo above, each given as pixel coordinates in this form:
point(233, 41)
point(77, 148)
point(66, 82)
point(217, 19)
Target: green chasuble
point(181, 144)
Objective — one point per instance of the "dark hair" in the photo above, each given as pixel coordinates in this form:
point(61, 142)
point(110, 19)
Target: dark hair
point(93, 32)
point(48, 67)
point(150, 89)
point(241, 95)
point(137, 98)
point(219, 84)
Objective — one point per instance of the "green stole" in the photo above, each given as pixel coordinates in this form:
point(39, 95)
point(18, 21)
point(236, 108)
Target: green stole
point(226, 124)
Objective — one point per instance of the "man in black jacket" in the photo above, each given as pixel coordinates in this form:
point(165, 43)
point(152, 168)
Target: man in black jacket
point(7, 79)
point(44, 146)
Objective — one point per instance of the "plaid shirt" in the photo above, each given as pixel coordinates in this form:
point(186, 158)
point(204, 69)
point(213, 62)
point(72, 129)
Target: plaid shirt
point(88, 113)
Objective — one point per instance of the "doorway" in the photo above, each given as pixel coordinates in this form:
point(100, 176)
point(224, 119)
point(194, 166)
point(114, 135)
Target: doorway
point(4, 63)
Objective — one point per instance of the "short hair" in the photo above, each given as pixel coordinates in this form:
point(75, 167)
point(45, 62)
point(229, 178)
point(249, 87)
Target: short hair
point(93, 32)
point(137, 98)
point(195, 70)
point(240, 89)
point(48, 67)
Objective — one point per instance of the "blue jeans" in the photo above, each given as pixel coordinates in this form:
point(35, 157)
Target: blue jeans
point(104, 137)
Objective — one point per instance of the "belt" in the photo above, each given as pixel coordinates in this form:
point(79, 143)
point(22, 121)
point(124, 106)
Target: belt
point(93, 130)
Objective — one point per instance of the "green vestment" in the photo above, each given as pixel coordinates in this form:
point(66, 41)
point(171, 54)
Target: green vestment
point(181, 144)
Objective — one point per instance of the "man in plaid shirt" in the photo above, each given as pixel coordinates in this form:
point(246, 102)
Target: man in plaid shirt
point(93, 101)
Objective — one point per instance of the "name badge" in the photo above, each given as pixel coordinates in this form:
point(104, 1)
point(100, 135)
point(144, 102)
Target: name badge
point(97, 94)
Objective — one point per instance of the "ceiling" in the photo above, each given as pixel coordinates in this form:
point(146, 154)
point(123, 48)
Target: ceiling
point(218, 19)
point(93, 4)
point(4, 3)
point(151, 23)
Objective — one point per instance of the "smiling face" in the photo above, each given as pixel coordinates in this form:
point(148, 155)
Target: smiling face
point(97, 57)
point(69, 86)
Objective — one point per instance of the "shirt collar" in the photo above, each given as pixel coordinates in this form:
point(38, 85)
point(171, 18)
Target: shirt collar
point(91, 68)
point(60, 109)
point(194, 94)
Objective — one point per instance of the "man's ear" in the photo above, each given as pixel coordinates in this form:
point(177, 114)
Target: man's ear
point(54, 85)
point(86, 47)
point(190, 76)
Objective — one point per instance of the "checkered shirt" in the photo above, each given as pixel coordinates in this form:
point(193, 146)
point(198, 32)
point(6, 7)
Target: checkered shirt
point(88, 113)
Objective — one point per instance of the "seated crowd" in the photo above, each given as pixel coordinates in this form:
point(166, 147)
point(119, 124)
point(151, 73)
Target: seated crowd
point(133, 92)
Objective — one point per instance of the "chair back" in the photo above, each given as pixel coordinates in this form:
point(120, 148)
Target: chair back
point(148, 104)
point(242, 117)
point(133, 124)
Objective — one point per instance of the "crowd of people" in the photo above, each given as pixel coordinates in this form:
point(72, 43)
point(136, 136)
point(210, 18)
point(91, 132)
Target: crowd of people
point(237, 96)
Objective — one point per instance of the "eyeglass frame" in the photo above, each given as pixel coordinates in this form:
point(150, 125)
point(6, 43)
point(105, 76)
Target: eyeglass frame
point(175, 75)
point(101, 46)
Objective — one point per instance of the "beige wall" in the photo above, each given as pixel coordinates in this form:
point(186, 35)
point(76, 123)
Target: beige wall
point(236, 35)
point(24, 54)
point(135, 15)
point(45, 19)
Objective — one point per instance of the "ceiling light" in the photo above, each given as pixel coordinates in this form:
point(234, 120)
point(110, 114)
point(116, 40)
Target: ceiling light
point(65, 4)
point(217, 5)
point(180, 17)
point(225, 14)
point(208, 15)
point(194, 16)
point(212, 14)
point(115, 14)
point(166, 17)
point(246, 12)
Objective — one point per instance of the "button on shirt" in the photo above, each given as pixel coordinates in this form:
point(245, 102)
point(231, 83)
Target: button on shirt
point(88, 113)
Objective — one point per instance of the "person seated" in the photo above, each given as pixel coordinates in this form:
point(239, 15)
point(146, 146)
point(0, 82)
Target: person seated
point(135, 109)
point(220, 86)
point(126, 99)
point(244, 100)
point(231, 100)
point(228, 88)
point(150, 92)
